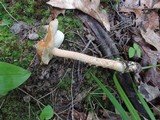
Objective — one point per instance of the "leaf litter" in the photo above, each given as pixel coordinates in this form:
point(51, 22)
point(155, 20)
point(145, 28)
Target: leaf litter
point(147, 22)
point(92, 9)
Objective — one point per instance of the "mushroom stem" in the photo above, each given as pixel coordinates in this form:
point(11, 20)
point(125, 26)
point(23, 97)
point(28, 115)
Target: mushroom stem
point(117, 65)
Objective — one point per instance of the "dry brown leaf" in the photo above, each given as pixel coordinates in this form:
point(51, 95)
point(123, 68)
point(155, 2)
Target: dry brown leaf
point(82, 95)
point(89, 7)
point(152, 38)
point(152, 21)
point(56, 11)
point(151, 57)
point(92, 116)
point(108, 115)
point(138, 4)
point(147, 20)
point(130, 5)
point(157, 5)
point(149, 92)
point(79, 115)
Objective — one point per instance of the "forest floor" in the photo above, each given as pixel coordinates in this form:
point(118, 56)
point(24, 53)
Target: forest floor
point(67, 85)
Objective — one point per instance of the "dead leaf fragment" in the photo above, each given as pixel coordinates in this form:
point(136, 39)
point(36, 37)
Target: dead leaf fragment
point(56, 11)
point(79, 115)
point(89, 7)
point(152, 21)
point(151, 57)
point(82, 95)
point(138, 4)
point(157, 5)
point(92, 116)
point(152, 38)
point(143, 18)
point(148, 92)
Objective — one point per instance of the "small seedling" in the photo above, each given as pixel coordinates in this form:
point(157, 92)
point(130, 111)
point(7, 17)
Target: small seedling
point(134, 50)
point(47, 113)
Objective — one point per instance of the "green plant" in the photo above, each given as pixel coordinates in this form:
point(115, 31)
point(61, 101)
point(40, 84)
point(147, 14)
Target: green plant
point(13, 49)
point(150, 66)
point(65, 83)
point(68, 24)
point(143, 102)
point(47, 113)
point(11, 77)
point(94, 71)
point(134, 50)
point(124, 97)
point(112, 99)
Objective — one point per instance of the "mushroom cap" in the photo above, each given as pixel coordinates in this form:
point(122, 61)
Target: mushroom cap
point(50, 41)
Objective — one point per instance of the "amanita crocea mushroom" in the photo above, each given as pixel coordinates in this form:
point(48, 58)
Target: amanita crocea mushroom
point(48, 47)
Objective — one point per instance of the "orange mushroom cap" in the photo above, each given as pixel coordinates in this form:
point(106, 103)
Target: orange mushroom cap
point(44, 46)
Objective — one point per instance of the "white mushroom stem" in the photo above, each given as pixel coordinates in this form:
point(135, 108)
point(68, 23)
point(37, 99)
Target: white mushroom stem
point(47, 48)
point(117, 65)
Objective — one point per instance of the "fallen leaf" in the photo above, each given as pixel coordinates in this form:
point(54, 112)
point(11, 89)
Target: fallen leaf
point(157, 5)
point(156, 110)
point(89, 7)
point(148, 92)
point(145, 19)
point(152, 38)
point(82, 95)
point(92, 116)
point(108, 115)
point(79, 115)
point(153, 76)
point(56, 11)
point(151, 57)
point(152, 21)
point(139, 4)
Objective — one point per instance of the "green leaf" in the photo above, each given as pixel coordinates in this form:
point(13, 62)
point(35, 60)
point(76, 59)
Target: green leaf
point(11, 77)
point(137, 49)
point(131, 52)
point(150, 66)
point(112, 99)
point(124, 97)
point(135, 46)
point(139, 53)
point(47, 113)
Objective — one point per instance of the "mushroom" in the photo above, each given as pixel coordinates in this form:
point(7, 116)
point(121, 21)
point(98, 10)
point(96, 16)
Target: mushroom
point(48, 47)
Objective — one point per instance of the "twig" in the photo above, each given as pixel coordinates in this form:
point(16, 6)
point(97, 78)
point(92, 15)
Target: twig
point(8, 12)
point(2, 103)
point(72, 102)
point(29, 111)
point(37, 101)
point(31, 97)
point(86, 47)
point(47, 94)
